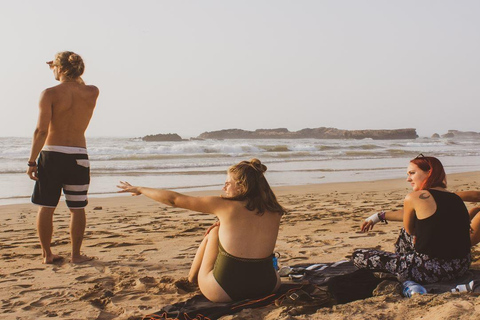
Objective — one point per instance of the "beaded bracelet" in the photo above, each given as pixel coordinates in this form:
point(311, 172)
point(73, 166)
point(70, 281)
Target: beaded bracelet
point(381, 216)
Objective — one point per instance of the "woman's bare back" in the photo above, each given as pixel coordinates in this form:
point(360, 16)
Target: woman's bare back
point(245, 234)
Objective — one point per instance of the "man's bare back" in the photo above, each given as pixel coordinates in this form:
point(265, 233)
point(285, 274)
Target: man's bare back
point(72, 105)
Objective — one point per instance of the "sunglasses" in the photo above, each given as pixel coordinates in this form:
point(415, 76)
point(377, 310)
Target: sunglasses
point(51, 64)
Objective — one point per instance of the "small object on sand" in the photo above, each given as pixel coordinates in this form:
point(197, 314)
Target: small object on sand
point(284, 271)
point(387, 287)
point(411, 288)
point(97, 208)
point(468, 287)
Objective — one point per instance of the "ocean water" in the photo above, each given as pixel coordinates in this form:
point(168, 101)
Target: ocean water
point(201, 164)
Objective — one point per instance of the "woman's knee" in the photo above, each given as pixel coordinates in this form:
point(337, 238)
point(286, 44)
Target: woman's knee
point(473, 212)
point(475, 230)
point(213, 232)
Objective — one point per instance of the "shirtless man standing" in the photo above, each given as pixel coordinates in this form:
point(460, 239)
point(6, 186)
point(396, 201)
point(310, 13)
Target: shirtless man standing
point(59, 143)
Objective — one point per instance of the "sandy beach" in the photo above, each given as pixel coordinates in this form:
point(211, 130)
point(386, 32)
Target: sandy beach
point(143, 252)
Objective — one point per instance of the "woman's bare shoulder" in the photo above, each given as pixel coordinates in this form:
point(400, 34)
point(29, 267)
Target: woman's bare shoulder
point(418, 195)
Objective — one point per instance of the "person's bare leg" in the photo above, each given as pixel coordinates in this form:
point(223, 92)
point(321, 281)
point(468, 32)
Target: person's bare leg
point(475, 227)
point(473, 212)
point(197, 261)
point(206, 281)
point(45, 232)
point(77, 229)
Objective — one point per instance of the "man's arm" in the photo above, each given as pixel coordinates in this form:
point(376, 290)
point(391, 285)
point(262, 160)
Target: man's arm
point(41, 131)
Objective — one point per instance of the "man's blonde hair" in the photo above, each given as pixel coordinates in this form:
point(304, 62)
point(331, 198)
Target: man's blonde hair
point(70, 64)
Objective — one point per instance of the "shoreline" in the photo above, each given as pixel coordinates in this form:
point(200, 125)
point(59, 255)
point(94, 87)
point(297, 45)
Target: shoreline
point(144, 249)
point(390, 182)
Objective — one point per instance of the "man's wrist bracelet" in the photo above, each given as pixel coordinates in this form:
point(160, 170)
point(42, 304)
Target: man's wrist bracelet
point(32, 163)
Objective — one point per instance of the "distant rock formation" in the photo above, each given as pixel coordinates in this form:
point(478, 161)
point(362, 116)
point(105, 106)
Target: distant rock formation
point(163, 137)
point(461, 134)
point(435, 136)
point(316, 133)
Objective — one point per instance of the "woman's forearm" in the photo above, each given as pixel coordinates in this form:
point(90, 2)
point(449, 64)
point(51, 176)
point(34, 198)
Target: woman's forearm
point(396, 215)
point(164, 196)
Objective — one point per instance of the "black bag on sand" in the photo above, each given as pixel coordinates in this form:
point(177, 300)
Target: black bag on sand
point(306, 300)
point(345, 288)
point(353, 286)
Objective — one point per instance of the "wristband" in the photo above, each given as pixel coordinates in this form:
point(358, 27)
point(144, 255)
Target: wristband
point(381, 216)
point(374, 218)
point(32, 163)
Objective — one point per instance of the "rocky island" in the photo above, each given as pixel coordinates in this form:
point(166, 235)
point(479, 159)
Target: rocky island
point(315, 133)
point(461, 134)
point(284, 133)
point(163, 137)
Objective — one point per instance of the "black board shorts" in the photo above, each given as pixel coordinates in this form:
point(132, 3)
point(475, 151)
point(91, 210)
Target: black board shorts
point(66, 168)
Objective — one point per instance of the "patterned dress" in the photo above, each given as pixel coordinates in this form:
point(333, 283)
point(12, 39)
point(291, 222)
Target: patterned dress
point(407, 264)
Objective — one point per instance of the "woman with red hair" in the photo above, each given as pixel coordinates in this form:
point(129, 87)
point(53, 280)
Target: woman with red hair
point(434, 244)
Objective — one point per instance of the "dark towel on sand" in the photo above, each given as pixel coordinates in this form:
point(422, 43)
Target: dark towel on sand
point(341, 281)
point(200, 308)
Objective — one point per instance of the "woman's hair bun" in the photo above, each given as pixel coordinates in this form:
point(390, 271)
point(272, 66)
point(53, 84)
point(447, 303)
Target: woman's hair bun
point(257, 165)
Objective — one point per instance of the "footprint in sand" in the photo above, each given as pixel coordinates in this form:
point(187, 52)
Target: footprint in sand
point(182, 256)
point(16, 273)
point(326, 242)
point(363, 235)
point(296, 258)
point(108, 245)
point(146, 250)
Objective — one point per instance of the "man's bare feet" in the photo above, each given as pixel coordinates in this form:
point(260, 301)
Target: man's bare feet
point(81, 259)
point(52, 259)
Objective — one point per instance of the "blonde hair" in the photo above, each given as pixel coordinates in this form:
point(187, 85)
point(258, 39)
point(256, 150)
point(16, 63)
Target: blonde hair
point(70, 64)
point(254, 188)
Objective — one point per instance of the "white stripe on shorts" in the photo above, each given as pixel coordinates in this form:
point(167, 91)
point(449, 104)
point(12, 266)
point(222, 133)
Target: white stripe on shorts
point(74, 197)
point(75, 187)
point(64, 149)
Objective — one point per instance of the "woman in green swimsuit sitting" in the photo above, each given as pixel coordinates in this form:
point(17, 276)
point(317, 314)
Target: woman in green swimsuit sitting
point(235, 259)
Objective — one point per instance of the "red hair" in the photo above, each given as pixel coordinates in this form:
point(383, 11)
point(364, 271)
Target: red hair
point(436, 173)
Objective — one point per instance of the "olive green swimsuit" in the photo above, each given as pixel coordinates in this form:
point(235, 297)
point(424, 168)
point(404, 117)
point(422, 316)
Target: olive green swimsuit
point(244, 278)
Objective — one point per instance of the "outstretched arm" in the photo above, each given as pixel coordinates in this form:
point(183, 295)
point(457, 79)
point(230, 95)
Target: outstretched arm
point(368, 224)
point(469, 196)
point(175, 199)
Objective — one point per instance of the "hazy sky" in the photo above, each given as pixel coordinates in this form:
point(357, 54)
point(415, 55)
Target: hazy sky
point(192, 66)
